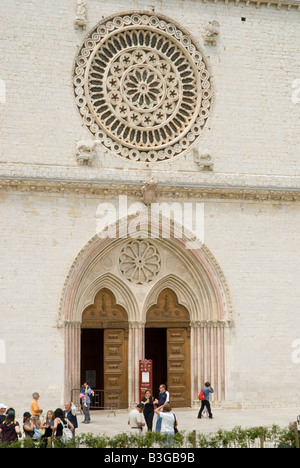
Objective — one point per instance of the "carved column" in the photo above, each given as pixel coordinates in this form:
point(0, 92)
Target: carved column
point(208, 357)
point(136, 352)
point(72, 357)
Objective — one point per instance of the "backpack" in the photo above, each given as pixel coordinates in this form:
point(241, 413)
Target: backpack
point(67, 433)
point(201, 396)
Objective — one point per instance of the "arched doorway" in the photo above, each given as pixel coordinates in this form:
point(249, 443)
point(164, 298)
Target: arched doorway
point(167, 343)
point(200, 288)
point(104, 348)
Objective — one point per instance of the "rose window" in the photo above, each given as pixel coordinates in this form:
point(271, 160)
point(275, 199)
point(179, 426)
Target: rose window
point(142, 87)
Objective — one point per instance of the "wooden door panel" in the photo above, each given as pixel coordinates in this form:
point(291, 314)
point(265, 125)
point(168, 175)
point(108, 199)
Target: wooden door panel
point(115, 367)
point(178, 355)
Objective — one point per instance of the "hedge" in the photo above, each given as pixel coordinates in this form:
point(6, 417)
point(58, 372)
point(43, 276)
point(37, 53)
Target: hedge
point(273, 437)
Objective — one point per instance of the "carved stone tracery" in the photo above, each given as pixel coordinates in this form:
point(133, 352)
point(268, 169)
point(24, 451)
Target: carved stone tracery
point(142, 87)
point(168, 312)
point(105, 312)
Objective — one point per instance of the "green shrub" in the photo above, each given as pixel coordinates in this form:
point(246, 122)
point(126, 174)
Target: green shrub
point(235, 438)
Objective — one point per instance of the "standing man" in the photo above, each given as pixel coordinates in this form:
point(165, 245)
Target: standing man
point(70, 414)
point(87, 392)
point(136, 419)
point(35, 409)
point(205, 403)
point(163, 399)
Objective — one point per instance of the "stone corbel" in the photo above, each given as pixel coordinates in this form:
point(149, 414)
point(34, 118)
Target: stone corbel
point(81, 12)
point(85, 152)
point(149, 192)
point(204, 161)
point(211, 33)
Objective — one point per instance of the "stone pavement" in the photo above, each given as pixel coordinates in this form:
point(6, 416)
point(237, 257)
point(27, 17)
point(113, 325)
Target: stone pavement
point(109, 424)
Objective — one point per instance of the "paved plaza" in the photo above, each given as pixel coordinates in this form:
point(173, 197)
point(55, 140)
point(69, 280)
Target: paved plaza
point(111, 424)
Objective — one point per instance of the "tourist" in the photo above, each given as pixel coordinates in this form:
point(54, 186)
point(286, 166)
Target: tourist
point(149, 403)
point(28, 425)
point(70, 414)
point(10, 429)
point(3, 409)
point(168, 422)
point(163, 399)
point(207, 390)
point(60, 422)
point(47, 427)
point(35, 409)
point(85, 393)
point(136, 420)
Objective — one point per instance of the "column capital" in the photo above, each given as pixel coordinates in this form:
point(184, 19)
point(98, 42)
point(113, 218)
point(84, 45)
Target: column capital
point(136, 325)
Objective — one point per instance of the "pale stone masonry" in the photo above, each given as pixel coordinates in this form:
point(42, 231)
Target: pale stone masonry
point(241, 289)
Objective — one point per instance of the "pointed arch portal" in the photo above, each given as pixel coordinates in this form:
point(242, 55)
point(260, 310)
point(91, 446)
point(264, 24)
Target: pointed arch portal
point(184, 313)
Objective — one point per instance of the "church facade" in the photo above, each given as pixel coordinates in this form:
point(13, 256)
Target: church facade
point(150, 200)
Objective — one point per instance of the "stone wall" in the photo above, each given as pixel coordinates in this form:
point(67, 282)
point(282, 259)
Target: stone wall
point(48, 203)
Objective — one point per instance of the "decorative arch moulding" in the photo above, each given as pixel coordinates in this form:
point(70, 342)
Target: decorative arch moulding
point(213, 303)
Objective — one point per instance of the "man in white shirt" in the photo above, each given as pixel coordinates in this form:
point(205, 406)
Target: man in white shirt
point(163, 400)
point(136, 419)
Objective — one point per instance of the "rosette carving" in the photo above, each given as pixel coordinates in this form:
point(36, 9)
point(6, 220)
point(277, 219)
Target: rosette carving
point(139, 262)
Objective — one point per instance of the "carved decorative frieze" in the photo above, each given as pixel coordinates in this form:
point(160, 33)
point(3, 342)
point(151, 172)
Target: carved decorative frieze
point(114, 188)
point(278, 4)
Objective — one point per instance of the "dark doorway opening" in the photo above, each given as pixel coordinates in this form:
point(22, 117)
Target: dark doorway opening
point(156, 349)
point(92, 363)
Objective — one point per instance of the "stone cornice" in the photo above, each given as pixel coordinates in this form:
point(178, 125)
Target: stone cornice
point(286, 5)
point(113, 188)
